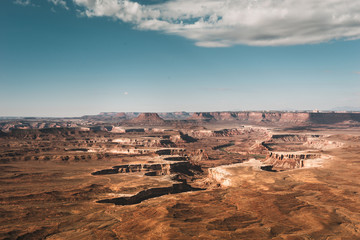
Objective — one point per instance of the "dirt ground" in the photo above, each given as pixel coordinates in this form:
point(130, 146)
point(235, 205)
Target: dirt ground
point(57, 199)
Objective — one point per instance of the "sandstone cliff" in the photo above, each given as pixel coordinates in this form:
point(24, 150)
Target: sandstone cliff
point(277, 117)
point(148, 118)
point(245, 117)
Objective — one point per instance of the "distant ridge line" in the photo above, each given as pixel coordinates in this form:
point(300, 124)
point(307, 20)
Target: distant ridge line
point(328, 117)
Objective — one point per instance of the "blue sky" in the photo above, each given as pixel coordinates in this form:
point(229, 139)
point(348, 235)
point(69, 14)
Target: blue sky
point(71, 58)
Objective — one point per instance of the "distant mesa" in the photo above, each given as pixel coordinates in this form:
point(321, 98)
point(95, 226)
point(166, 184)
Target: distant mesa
point(112, 116)
point(253, 117)
point(278, 117)
point(203, 116)
point(120, 115)
point(174, 115)
point(148, 118)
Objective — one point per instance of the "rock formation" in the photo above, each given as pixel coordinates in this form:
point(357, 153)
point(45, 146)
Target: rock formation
point(289, 160)
point(148, 118)
point(246, 117)
point(203, 116)
point(277, 117)
point(235, 174)
point(155, 168)
point(174, 115)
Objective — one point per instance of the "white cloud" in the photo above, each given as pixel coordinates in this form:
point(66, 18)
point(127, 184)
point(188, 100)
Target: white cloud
point(222, 23)
point(23, 2)
point(61, 3)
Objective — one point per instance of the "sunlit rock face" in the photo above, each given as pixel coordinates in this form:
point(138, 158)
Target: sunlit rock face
point(218, 179)
point(277, 117)
point(290, 160)
point(148, 118)
point(233, 175)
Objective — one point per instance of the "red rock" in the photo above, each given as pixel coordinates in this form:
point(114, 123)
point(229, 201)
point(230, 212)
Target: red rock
point(148, 118)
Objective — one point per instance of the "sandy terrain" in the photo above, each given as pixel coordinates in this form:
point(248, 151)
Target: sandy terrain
point(57, 198)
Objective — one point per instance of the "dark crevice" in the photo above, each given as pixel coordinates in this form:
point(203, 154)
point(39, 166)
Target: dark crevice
point(175, 159)
point(223, 146)
point(268, 168)
point(151, 193)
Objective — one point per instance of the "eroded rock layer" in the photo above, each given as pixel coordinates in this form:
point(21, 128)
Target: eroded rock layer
point(277, 117)
point(290, 160)
point(155, 168)
point(195, 179)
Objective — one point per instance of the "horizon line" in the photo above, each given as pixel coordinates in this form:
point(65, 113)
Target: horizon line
point(290, 111)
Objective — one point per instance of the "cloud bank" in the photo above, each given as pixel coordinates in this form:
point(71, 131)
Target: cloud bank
point(222, 23)
point(22, 2)
point(61, 3)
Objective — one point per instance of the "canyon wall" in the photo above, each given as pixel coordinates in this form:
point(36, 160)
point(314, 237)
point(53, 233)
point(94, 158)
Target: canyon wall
point(243, 116)
point(277, 117)
point(147, 118)
point(290, 160)
point(98, 122)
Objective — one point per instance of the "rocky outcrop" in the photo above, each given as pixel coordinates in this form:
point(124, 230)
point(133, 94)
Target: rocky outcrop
point(288, 138)
point(156, 168)
point(322, 144)
point(292, 155)
point(198, 155)
point(295, 117)
point(13, 157)
point(182, 138)
point(170, 151)
point(116, 116)
point(331, 118)
point(148, 118)
point(145, 142)
point(305, 140)
point(227, 132)
point(146, 151)
point(174, 115)
point(224, 116)
point(132, 118)
point(277, 117)
point(200, 133)
point(202, 116)
point(220, 175)
point(230, 132)
point(289, 160)
point(24, 124)
point(229, 175)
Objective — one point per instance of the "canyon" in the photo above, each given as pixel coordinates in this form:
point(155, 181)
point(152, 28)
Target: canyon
point(210, 175)
point(242, 116)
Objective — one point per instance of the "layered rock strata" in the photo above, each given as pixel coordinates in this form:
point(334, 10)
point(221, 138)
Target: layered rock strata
point(290, 160)
point(233, 174)
point(155, 168)
point(277, 117)
point(148, 118)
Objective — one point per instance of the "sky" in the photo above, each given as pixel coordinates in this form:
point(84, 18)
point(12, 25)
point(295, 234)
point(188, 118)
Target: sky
point(64, 58)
